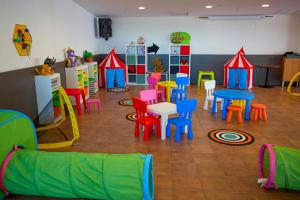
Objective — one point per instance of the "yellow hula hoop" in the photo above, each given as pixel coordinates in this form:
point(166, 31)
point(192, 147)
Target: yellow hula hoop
point(291, 83)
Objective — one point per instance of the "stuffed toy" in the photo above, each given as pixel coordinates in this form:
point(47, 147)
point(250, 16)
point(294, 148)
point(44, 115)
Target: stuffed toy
point(158, 67)
point(72, 59)
point(47, 68)
point(141, 40)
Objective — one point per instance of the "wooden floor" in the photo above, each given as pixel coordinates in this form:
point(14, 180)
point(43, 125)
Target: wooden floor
point(200, 168)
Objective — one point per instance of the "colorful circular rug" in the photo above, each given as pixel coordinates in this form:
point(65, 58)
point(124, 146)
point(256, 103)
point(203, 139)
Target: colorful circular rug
point(231, 137)
point(118, 90)
point(126, 102)
point(132, 116)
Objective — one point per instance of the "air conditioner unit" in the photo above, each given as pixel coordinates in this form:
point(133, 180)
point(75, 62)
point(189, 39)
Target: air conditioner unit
point(234, 17)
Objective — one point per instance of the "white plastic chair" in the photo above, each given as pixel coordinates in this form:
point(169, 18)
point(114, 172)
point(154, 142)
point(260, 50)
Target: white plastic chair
point(209, 87)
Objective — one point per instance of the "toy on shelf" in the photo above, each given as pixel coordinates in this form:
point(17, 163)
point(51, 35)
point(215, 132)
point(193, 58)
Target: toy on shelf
point(88, 56)
point(47, 68)
point(180, 38)
point(112, 69)
point(141, 40)
point(22, 40)
point(279, 167)
point(72, 59)
point(297, 75)
point(26, 171)
point(153, 49)
point(158, 67)
point(238, 72)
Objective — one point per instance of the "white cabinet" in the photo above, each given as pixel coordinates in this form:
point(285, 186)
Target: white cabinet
point(78, 77)
point(179, 60)
point(48, 104)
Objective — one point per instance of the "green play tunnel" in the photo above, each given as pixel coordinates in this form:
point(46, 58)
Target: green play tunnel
point(80, 175)
point(27, 171)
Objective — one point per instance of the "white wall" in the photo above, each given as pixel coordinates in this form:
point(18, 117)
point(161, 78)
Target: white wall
point(269, 36)
point(54, 25)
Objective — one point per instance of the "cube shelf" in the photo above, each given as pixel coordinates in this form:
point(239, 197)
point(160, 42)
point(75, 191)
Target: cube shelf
point(136, 63)
point(179, 60)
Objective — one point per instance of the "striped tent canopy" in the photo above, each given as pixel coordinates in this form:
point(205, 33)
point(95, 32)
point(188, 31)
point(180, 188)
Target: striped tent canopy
point(239, 62)
point(112, 61)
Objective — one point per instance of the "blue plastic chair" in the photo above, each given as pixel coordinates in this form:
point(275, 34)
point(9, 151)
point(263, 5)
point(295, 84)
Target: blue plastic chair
point(185, 109)
point(180, 92)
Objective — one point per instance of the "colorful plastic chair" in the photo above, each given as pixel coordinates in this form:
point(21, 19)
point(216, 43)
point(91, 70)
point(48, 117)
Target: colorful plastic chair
point(180, 92)
point(152, 85)
point(89, 102)
point(231, 109)
point(143, 119)
point(205, 73)
point(209, 87)
point(185, 109)
point(76, 93)
point(149, 96)
point(258, 110)
point(156, 75)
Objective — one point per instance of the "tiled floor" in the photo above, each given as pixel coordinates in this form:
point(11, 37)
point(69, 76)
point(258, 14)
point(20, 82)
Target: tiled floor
point(200, 168)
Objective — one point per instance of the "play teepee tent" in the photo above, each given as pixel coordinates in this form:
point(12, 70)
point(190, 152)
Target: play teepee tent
point(112, 70)
point(238, 72)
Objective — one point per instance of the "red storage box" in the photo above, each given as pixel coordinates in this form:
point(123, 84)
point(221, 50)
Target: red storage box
point(185, 70)
point(141, 69)
point(185, 50)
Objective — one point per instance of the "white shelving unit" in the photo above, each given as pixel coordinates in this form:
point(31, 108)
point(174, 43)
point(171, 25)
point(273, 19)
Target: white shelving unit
point(93, 73)
point(179, 60)
point(78, 77)
point(48, 104)
point(136, 64)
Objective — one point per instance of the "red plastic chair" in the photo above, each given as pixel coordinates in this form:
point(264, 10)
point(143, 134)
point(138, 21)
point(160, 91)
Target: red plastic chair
point(152, 85)
point(76, 93)
point(142, 119)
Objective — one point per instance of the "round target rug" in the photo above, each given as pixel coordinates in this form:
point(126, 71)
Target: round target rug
point(126, 102)
point(231, 137)
point(118, 90)
point(132, 116)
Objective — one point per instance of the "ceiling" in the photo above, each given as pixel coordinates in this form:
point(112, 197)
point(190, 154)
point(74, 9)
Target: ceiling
point(159, 8)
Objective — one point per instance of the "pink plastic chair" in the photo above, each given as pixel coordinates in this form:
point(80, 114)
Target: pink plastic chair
point(152, 85)
point(93, 101)
point(156, 75)
point(149, 96)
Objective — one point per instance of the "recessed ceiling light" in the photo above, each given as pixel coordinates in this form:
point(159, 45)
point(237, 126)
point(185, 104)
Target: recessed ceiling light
point(265, 5)
point(141, 8)
point(209, 6)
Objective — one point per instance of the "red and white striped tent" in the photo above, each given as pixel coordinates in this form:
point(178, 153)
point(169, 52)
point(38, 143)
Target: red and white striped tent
point(112, 61)
point(238, 62)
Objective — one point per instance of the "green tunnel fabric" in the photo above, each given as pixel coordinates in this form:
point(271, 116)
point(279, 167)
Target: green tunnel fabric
point(15, 128)
point(287, 168)
point(77, 175)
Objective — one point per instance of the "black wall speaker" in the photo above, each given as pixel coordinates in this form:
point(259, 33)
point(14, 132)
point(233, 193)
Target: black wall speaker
point(104, 25)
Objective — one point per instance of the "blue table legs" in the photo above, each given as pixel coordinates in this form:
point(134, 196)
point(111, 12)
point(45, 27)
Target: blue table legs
point(247, 110)
point(214, 106)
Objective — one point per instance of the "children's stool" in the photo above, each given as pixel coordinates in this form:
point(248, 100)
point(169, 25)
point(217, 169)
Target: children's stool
point(76, 93)
point(205, 73)
point(230, 109)
point(258, 110)
point(91, 101)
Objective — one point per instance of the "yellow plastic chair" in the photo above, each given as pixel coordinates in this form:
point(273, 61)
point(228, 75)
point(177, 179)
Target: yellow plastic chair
point(291, 83)
point(204, 73)
point(62, 96)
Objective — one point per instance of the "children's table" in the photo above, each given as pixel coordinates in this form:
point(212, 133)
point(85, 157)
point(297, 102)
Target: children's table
point(163, 109)
point(168, 85)
point(229, 95)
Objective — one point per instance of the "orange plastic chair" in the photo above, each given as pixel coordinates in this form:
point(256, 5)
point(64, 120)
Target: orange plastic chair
point(143, 119)
point(258, 110)
point(238, 109)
